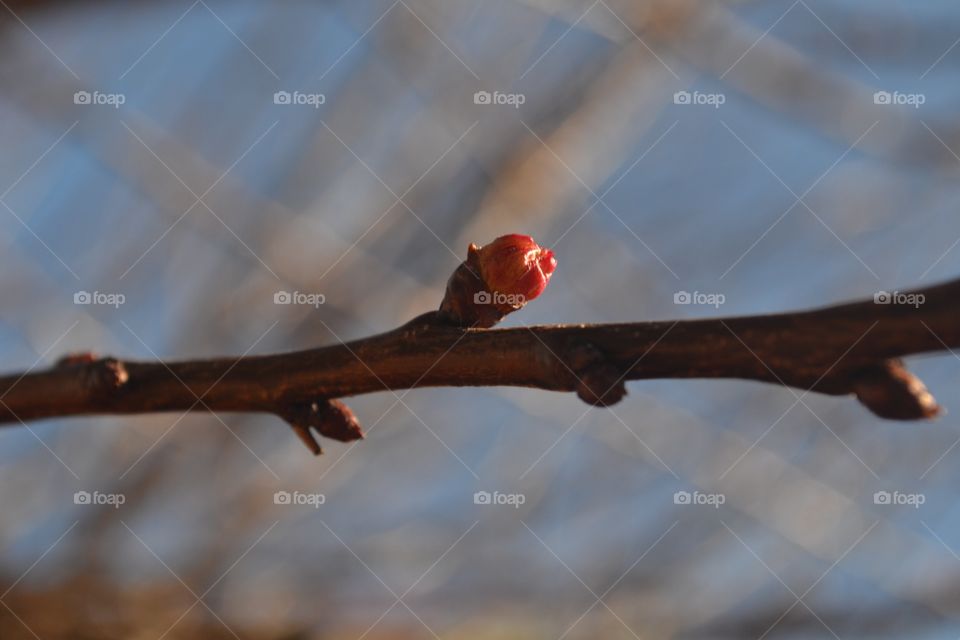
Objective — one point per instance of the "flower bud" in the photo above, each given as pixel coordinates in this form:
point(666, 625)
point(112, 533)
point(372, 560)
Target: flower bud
point(497, 279)
point(515, 265)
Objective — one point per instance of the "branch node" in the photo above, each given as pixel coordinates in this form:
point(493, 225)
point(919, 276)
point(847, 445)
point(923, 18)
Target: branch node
point(459, 306)
point(99, 375)
point(599, 382)
point(330, 418)
point(109, 374)
point(892, 392)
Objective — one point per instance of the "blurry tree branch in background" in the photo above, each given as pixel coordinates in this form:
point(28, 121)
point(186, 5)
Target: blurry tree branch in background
point(846, 349)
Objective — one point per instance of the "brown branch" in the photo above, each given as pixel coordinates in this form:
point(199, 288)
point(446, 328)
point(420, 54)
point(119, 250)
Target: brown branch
point(847, 349)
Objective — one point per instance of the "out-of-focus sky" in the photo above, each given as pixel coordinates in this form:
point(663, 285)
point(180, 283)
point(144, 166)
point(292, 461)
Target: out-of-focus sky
point(197, 159)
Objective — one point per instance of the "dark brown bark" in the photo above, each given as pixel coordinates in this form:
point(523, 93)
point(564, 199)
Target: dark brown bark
point(847, 349)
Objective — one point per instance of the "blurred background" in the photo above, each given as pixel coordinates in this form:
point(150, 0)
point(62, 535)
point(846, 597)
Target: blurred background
point(170, 167)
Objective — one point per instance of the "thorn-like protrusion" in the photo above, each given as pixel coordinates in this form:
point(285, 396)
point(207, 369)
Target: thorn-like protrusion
point(307, 438)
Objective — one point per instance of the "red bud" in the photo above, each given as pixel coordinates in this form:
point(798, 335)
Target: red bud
point(515, 265)
point(497, 279)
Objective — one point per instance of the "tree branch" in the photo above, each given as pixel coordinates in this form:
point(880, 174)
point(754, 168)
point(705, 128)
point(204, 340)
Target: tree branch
point(846, 349)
